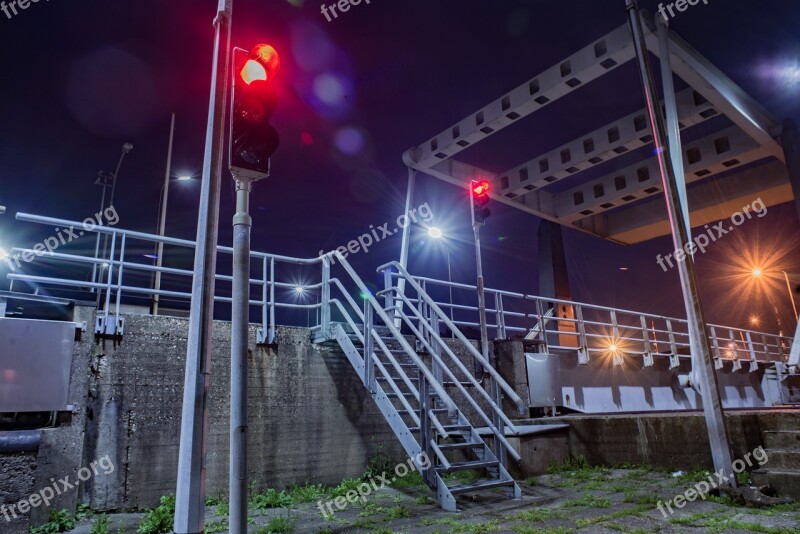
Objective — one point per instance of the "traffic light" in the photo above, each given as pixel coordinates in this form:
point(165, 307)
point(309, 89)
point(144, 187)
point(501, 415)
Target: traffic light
point(253, 138)
point(479, 193)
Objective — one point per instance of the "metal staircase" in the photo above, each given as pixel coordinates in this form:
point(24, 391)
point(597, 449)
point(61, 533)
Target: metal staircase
point(415, 383)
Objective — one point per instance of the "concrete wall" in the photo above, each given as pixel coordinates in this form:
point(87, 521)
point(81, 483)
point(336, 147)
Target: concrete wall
point(17, 472)
point(311, 420)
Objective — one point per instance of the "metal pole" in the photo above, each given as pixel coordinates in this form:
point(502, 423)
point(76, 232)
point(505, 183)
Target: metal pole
point(401, 283)
point(673, 122)
point(127, 147)
point(97, 240)
point(240, 320)
point(791, 294)
point(702, 362)
point(163, 220)
point(190, 490)
point(449, 279)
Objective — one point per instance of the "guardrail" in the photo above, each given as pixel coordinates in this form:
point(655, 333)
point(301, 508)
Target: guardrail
point(590, 330)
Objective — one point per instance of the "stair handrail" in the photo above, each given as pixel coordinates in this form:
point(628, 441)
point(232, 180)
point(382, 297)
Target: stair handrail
point(504, 386)
point(389, 323)
point(470, 399)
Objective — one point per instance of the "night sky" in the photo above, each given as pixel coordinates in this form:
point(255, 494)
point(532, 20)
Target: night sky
point(81, 77)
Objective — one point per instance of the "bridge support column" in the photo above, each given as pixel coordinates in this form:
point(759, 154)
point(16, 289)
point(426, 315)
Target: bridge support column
point(554, 279)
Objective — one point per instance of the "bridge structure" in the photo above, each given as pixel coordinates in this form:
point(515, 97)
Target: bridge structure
point(423, 374)
point(409, 344)
point(687, 159)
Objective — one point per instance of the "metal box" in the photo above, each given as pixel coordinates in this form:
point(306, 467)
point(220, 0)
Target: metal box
point(35, 364)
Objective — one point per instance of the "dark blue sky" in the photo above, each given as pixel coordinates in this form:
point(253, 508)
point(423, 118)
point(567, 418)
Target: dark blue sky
point(80, 77)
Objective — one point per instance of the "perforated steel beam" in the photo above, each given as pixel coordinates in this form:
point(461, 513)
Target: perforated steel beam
point(721, 91)
point(597, 147)
point(648, 219)
point(586, 65)
point(460, 174)
point(704, 158)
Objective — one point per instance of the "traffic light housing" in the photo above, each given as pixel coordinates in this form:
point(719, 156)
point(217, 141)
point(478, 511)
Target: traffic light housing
point(479, 195)
point(253, 139)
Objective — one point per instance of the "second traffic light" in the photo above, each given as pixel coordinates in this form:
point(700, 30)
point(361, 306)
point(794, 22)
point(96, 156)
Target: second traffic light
point(479, 197)
point(253, 138)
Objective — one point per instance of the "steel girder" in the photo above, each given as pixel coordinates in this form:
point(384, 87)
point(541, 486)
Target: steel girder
point(525, 187)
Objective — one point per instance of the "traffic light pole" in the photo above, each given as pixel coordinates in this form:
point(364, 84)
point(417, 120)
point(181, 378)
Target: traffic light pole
point(240, 320)
point(190, 490)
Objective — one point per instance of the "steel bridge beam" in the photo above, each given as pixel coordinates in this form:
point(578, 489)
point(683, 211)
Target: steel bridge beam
point(588, 64)
point(647, 220)
point(597, 147)
point(704, 158)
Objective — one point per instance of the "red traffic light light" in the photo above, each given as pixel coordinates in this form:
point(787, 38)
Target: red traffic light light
point(263, 64)
point(479, 199)
point(253, 138)
point(480, 188)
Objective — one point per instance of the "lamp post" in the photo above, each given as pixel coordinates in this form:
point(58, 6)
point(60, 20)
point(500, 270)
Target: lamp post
point(757, 273)
point(126, 148)
point(436, 233)
point(159, 252)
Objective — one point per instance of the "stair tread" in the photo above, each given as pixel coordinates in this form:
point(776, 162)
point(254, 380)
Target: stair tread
point(473, 464)
point(464, 445)
point(477, 486)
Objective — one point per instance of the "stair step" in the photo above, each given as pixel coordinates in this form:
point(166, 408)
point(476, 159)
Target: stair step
point(458, 446)
point(456, 428)
point(407, 395)
point(478, 486)
point(463, 466)
point(395, 378)
point(781, 439)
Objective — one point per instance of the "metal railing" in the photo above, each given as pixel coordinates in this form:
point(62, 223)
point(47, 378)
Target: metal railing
point(612, 333)
point(590, 330)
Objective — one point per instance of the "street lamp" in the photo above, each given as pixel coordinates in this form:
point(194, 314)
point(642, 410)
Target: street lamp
point(758, 272)
point(436, 233)
point(162, 222)
point(103, 179)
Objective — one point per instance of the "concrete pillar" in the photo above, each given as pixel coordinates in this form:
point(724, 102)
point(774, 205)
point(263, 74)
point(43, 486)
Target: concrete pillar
point(554, 280)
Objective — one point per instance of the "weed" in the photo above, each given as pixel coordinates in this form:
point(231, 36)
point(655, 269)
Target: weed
point(100, 525)
point(278, 525)
point(350, 484)
point(398, 512)
point(271, 498)
point(307, 493)
point(591, 501)
point(59, 521)
point(159, 519)
point(222, 509)
point(216, 526)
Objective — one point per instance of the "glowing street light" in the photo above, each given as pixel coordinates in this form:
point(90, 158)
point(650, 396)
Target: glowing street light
point(435, 232)
point(3, 254)
point(184, 178)
point(757, 272)
point(299, 290)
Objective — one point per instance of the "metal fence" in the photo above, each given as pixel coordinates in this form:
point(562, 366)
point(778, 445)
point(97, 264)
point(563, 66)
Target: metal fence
point(282, 284)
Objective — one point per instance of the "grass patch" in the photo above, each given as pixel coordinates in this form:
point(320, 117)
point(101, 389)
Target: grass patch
point(278, 525)
point(307, 493)
point(641, 498)
point(59, 521)
point(411, 480)
point(159, 519)
point(216, 526)
point(590, 501)
point(457, 527)
point(527, 529)
point(271, 498)
point(100, 525)
point(537, 515)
